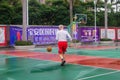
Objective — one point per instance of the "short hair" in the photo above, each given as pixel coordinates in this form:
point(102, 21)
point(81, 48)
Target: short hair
point(61, 26)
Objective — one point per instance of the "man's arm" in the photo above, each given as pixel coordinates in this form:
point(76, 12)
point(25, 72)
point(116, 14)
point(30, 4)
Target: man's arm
point(69, 36)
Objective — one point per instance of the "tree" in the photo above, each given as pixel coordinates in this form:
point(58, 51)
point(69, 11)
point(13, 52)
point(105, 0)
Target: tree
point(71, 4)
point(55, 12)
point(5, 14)
point(10, 12)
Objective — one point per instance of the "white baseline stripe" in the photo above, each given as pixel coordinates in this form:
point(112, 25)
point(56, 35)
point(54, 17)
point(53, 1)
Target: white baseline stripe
point(98, 75)
point(82, 74)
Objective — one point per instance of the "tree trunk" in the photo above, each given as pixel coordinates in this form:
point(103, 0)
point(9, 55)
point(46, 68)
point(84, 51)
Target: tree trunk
point(71, 11)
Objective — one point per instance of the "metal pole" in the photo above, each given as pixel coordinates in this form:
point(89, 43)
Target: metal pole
point(106, 20)
point(24, 11)
point(95, 1)
point(27, 13)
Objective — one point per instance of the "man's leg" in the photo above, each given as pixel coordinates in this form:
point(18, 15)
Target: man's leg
point(61, 56)
point(63, 60)
point(61, 53)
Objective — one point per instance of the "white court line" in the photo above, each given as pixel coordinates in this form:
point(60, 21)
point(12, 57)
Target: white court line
point(98, 75)
point(82, 74)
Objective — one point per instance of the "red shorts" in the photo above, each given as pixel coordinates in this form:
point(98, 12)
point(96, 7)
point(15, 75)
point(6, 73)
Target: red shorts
point(62, 46)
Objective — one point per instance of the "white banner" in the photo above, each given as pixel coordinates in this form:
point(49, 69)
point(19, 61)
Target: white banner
point(110, 33)
point(118, 31)
point(2, 35)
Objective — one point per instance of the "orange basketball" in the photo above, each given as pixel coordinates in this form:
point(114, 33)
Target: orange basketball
point(49, 48)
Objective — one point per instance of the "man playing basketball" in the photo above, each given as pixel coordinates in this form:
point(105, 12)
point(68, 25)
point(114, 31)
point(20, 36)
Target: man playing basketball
point(62, 36)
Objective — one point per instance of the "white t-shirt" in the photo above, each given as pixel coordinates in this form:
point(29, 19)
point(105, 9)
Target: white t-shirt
point(63, 35)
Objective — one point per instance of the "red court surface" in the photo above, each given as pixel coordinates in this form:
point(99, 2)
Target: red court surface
point(110, 63)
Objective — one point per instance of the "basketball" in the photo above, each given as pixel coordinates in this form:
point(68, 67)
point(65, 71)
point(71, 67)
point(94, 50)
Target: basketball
point(49, 49)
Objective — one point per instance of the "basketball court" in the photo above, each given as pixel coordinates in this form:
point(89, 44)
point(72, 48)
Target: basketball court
point(84, 62)
point(98, 63)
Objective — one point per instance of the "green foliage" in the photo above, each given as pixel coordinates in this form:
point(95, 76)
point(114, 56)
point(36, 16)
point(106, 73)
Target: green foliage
point(117, 40)
point(75, 41)
point(10, 12)
point(54, 12)
point(105, 39)
point(23, 43)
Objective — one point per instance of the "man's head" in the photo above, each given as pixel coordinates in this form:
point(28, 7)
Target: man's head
point(61, 27)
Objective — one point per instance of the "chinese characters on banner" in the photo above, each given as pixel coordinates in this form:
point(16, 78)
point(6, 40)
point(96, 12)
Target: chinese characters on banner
point(89, 34)
point(42, 35)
